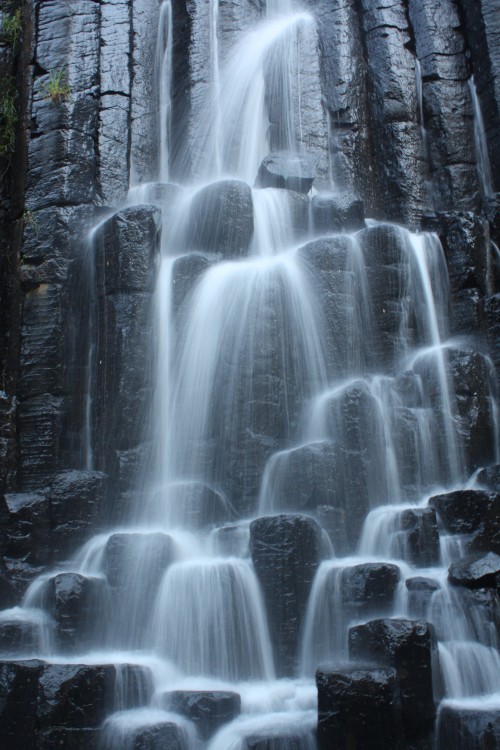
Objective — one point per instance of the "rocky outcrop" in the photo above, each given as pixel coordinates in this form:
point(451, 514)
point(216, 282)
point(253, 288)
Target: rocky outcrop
point(359, 706)
point(286, 552)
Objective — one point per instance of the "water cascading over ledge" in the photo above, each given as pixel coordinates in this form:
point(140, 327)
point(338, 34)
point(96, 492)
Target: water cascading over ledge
point(252, 424)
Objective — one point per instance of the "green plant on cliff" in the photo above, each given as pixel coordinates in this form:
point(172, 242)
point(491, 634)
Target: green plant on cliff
point(57, 87)
point(11, 28)
point(8, 120)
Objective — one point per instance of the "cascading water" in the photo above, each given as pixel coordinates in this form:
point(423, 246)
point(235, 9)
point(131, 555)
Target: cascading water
point(278, 391)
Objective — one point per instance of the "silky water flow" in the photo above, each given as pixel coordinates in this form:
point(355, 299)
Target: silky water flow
point(251, 348)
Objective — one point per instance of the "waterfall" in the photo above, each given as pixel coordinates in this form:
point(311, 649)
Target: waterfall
point(294, 371)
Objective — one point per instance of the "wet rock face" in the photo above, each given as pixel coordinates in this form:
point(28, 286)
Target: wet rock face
point(207, 710)
point(337, 213)
point(125, 553)
point(472, 512)
point(45, 703)
point(471, 375)
point(164, 736)
point(286, 551)
point(73, 600)
point(221, 219)
point(287, 170)
point(279, 742)
point(369, 589)
point(359, 707)
point(476, 571)
point(315, 475)
point(420, 591)
point(410, 647)
point(419, 537)
point(468, 728)
point(126, 249)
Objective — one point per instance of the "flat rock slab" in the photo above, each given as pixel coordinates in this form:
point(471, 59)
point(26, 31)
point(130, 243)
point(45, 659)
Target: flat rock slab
point(285, 169)
point(476, 571)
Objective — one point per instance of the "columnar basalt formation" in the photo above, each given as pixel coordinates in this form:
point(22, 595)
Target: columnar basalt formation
point(249, 357)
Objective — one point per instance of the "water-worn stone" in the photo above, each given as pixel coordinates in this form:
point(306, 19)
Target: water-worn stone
point(221, 219)
point(410, 647)
point(472, 512)
point(489, 477)
point(420, 591)
point(284, 169)
point(18, 636)
point(126, 250)
point(73, 600)
point(418, 537)
point(27, 527)
point(476, 571)
point(319, 474)
point(163, 736)
point(186, 273)
point(125, 553)
point(208, 710)
point(76, 501)
point(358, 706)
point(18, 701)
point(286, 551)
point(468, 728)
point(369, 589)
point(75, 696)
point(341, 212)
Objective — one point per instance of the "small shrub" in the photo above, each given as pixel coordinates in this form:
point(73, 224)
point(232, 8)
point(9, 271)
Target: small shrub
point(57, 87)
point(11, 28)
point(8, 120)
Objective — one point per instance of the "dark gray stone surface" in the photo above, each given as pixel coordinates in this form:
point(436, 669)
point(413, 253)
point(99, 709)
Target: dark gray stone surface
point(286, 551)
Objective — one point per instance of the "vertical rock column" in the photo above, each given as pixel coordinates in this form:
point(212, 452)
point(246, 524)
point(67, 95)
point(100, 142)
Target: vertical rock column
point(61, 189)
point(126, 254)
point(447, 105)
point(398, 153)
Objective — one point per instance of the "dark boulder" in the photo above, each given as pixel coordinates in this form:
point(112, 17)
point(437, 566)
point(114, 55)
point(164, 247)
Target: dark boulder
point(221, 219)
point(285, 169)
point(165, 736)
point(472, 380)
point(489, 477)
point(358, 707)
point(476, 571)
point(369, 589)
point(279, 741)
point(418, 537)
point(77, 505)
point(75, 601)
point(75, 696)
point(468, 728)
point(18, 636)
point(471, 512)
point(286, 552)
point(410, 647)
point(18, 701)
point(126, 248)
point(420, 591)
point(127, 553)
point(341, 212)
point(208, 710)
point(27, 527)
point(186, 272)
point(76, 739)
